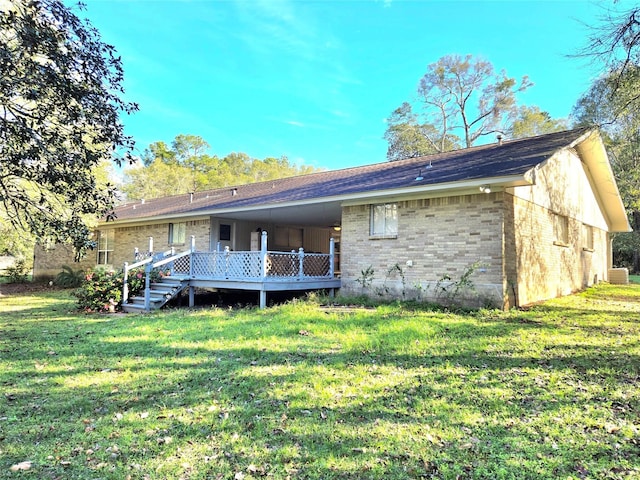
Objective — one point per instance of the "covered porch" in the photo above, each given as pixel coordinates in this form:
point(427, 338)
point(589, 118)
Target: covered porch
point(257, 270)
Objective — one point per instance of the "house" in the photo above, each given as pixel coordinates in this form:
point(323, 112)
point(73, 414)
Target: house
point(522, 220)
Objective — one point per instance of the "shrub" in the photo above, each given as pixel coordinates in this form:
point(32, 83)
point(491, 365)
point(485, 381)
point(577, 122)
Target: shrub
point(69, 278)
point(101, 291)
point(19, 271)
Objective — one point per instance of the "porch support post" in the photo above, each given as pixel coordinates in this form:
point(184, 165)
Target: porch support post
point(125, 283)
point(147, 286)
point(193, 249)
point(300, 263)
point(332, 249)
point(192, 296)
point(151, 246)
point(263, 298)
point(263, 268)
point(263, 259)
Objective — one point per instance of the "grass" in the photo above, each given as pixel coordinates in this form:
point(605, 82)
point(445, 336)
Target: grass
point(298, 391)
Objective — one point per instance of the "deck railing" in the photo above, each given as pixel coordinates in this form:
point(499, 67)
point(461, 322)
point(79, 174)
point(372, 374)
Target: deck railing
point(227, 265)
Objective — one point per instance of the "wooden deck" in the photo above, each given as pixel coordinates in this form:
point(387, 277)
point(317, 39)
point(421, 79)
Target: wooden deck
point(262, 271)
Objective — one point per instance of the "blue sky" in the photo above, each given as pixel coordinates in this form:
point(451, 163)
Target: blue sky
point(315, 80)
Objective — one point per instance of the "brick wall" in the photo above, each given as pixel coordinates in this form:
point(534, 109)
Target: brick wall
point(47, 263)
point(128, 238)
point(546, 267)
point(437, 237)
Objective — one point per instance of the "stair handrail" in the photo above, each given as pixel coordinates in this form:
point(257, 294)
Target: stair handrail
point(127, 267)
point(163, 259)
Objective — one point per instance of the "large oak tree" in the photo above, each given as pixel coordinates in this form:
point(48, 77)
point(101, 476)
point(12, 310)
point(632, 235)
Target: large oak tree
point(60, 100)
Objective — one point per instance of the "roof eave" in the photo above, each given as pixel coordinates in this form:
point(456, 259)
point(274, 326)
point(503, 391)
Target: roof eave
point(420, 191)
point(594, 156)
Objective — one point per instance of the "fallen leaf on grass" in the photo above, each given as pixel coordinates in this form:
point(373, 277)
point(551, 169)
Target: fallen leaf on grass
point(20, 466)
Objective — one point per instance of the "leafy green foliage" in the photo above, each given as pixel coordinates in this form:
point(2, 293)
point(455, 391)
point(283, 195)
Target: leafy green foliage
point(407, 138)
point(615, 44)
point(531, 121)
point(59, 94)
point(608, 104)
point(101, 291)
point(19, 271)
point(69, 278)
point(454, 85)
point(186, 167)
point(366, 278)
point(457, 94)
point(305, 391)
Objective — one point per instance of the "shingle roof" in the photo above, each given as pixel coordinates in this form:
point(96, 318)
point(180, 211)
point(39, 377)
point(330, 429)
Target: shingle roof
point(511, 158)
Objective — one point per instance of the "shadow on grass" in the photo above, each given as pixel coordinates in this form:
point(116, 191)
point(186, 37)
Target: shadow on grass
point(312, 395)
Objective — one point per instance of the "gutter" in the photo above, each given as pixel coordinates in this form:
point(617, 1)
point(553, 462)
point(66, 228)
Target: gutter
point(427, 191)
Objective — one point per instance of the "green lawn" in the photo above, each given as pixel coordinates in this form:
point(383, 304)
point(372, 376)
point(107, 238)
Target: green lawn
point(301, 392)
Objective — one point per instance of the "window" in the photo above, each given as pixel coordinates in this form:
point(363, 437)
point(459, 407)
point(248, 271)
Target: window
point(384, 220)
point(561, 230)
point(225, 232)
point(588, 237)
point(105, 247)
point(177, 233)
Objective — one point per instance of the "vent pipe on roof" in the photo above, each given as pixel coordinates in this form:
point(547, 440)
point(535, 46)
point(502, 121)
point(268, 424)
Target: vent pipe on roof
point(190, 197)
point(142, 202)
point(499, 137)
point(234, 192)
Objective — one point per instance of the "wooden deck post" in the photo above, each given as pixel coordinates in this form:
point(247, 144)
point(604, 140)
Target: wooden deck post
point(332, 249)
point(263, 268)
point(125, 282)
point(263, 298)
point(192, 290)
point(263, 255)
point(147, 286)
point(300, 263)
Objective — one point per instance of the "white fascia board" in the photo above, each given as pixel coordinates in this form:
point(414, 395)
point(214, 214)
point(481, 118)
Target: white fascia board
point(441, 189)
point(426, 191)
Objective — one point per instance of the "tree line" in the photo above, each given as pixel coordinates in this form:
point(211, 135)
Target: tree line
point(185, 166)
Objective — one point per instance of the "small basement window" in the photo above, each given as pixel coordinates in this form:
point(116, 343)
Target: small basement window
point(384, 220)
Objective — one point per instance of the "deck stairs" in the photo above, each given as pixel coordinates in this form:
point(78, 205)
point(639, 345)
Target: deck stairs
point(161, 292)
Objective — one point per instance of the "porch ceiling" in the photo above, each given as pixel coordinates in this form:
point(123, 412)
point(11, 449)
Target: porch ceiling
point(315, 215)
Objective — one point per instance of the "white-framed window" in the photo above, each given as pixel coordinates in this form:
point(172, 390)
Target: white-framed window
point(561, 229)
point(384, 220)
point(106, 240)
point(177, 233)
point(587, 234)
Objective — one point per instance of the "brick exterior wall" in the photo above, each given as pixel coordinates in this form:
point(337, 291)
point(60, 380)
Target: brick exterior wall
point(437, 238)
point(128, 238)
point(47, 263)
point(546, 267)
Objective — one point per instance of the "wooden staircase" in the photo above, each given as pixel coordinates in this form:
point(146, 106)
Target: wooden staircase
point(160, 292)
